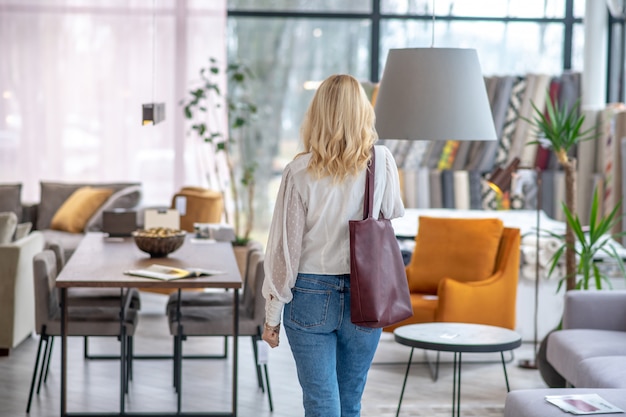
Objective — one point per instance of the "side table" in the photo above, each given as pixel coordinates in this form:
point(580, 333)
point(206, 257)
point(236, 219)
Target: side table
point(457, 338)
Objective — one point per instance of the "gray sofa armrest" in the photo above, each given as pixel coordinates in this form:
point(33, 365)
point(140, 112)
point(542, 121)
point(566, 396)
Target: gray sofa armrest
point(602, 310)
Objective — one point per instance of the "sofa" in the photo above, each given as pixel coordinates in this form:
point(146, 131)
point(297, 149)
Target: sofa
point(66, 211)
point(589, 352)
point(17, 302)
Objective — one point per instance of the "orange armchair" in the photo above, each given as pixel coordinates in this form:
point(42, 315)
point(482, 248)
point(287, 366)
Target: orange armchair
point(464, 270)
point(202, 206)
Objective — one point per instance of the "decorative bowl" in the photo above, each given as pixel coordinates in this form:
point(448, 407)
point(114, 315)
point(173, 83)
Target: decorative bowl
point(159, 242)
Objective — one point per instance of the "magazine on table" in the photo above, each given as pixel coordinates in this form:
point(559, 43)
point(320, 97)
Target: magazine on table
point(168, 273)
point(583, 404)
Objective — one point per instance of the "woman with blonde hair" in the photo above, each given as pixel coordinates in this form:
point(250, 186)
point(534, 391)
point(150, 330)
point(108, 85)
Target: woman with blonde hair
point(307, 262)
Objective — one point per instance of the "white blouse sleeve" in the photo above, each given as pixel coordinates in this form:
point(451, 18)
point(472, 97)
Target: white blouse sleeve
point(392, 206)
point(283, 250)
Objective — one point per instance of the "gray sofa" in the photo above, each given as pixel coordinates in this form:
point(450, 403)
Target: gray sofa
point(589, 352)
point(126, 195)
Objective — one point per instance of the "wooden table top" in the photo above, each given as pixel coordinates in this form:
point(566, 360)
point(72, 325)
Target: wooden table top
point(100, 261)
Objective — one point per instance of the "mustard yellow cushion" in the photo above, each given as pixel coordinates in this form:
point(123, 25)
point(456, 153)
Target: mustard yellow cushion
point(461, 249)
point(74, 213)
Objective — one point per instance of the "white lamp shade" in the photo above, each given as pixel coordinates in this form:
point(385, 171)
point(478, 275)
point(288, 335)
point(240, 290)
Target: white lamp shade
point(433, 94)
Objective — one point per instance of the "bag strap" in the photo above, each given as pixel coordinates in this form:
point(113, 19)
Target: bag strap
point(368, 200)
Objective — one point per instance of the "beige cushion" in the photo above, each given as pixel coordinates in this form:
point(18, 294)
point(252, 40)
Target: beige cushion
point(74, 213)
point(8, 223)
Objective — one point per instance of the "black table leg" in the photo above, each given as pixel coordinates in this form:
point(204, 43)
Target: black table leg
point(506, 377)
point(63, 352)
point(235, 347)
point(406, 375)
point(122, 353)
point(456, 385)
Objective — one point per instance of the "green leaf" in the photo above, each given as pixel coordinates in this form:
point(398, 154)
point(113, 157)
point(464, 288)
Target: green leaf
point(238, 122)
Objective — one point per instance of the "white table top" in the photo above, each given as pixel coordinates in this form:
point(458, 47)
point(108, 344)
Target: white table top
point(457, 337)
point(525, 220)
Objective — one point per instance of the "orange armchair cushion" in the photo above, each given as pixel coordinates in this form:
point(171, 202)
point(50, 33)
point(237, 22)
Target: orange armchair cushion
point(462, 249)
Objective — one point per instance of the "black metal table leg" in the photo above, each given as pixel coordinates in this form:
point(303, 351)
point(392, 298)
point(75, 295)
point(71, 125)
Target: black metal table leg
point(406, 375)
point(63, 352)
point(506, 377)
point(235, 347)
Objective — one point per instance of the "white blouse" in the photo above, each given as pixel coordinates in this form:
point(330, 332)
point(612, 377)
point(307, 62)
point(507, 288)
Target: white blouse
point(309, 231)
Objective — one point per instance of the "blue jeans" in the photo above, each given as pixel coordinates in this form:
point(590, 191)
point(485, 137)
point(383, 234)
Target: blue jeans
point(332, 354)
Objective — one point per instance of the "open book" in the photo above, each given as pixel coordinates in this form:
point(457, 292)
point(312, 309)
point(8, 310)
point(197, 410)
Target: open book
point(583, 404)
point(168, 273)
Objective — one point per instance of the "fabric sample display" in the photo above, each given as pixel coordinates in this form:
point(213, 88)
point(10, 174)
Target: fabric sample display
point(620, 135)
point(539, 93)
point(475, 178)
point(542, 159)
point(608, 147)
point(423, 188)
point(461, 190)
point(436, 199)
point(447, 188)
point(586, 165)
point(510, 122)
point(547, 192)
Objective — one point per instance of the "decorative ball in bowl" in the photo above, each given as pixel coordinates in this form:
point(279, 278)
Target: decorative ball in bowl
point(159, 242)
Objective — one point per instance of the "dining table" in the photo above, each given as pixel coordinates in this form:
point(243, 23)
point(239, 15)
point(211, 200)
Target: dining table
point(101, 261)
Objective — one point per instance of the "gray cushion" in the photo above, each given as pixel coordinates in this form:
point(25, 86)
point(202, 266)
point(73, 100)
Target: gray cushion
point(11, 199)
point(8, 223)
point(68, 241)
point(602, 372)
point(532, 403)
point(568, 348)
point(54, 194)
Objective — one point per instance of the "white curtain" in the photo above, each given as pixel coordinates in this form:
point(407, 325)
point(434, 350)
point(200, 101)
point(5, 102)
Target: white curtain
point(73, 77)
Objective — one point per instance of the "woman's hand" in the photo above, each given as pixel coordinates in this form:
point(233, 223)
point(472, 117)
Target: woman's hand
point(270, 334)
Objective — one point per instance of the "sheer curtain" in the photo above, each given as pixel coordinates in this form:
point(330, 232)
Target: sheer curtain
point(73, 77)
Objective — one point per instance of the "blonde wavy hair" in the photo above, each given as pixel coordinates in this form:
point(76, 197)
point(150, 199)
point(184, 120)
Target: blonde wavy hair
point(338, 129)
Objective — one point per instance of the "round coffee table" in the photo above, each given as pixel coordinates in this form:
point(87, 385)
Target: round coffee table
point(457, 338)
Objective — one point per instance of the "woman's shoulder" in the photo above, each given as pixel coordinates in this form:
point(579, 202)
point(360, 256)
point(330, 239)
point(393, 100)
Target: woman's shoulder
point(298, 165)
point(383, 151)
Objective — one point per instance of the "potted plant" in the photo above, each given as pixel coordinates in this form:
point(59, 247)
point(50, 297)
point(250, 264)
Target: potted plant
point(591, 241)
point(205, 100)
point(560, 129)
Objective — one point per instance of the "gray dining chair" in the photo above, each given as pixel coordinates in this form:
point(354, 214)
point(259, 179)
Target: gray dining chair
point(103, 297)
point(83, 320)
point(189, 320)
point(217, 298)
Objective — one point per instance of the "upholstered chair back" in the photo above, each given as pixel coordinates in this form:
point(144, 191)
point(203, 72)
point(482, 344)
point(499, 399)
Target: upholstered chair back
point(46, 293)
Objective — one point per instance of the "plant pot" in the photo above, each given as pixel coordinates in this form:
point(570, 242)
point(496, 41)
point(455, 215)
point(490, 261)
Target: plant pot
point(549, 375)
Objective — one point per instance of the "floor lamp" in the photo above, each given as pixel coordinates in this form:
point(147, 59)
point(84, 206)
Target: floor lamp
point(532, 363)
